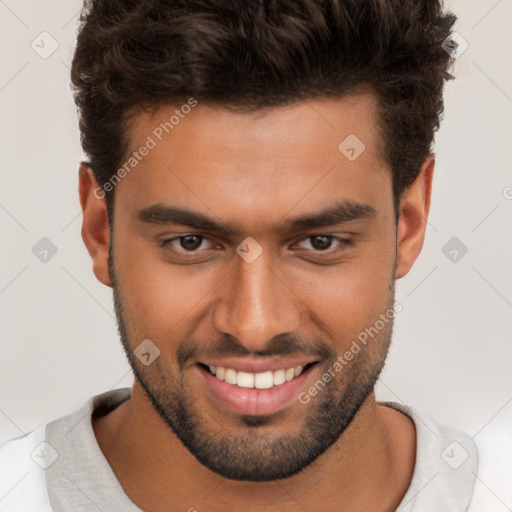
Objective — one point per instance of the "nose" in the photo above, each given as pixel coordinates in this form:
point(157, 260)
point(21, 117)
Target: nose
point(256, 304)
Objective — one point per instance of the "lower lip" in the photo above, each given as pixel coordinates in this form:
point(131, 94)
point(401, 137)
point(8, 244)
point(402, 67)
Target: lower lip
point(252, 401)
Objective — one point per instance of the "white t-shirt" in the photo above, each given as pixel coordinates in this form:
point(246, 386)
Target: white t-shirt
point(59, 467)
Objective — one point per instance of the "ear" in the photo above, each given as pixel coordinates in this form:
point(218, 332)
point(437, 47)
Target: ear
point(414, 209)
point(95, 228)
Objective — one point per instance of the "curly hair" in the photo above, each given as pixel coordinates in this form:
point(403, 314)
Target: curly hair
point(251, 54)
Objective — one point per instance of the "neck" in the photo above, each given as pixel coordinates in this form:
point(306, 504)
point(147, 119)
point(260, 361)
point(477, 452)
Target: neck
point(368, 468)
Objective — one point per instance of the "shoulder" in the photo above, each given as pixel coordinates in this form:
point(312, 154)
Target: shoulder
point(445, 469)
point(457, 471)
point(493, 489)
point(23, 461)
point(28, 463)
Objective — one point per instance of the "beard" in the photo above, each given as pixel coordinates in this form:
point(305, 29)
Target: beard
point(254, 450)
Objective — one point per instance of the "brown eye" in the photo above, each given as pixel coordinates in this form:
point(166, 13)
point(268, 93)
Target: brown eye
point(191, 242)
point(321, 242)
point(323, 245)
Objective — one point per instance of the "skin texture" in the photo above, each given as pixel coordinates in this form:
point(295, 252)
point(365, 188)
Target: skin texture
point(255, 172)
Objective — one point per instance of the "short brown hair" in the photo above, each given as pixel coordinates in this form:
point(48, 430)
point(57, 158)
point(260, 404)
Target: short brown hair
point(251, 54)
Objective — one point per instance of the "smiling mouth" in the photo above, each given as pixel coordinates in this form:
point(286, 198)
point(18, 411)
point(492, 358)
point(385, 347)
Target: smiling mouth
point(263, 380)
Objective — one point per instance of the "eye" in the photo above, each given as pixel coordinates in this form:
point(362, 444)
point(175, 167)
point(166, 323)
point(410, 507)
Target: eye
point(324, 243)
point(186, 243)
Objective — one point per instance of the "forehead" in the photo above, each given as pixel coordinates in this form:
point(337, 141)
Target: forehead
point(265, 128)
point(260, 164)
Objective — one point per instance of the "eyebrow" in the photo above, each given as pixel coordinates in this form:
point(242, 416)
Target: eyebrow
point(343, 211)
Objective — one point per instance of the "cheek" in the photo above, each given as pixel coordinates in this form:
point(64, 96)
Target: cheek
point(350, 297)
point(346, 305)
point(157, 296)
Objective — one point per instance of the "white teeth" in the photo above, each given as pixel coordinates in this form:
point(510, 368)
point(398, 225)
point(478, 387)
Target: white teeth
point(230, 376)
point(263, 380)
point(245, 380)
point(279, 377)
point(290, 374)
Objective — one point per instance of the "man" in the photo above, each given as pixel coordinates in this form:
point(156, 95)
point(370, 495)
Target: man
point(260, 175)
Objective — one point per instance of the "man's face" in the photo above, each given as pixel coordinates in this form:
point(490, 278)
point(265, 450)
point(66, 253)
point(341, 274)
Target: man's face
point(304, 299)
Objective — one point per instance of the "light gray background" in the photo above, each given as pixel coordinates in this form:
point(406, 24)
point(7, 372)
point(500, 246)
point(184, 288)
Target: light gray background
point(452, 352)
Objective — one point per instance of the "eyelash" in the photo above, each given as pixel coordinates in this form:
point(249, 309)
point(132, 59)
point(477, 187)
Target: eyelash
point(344, 243)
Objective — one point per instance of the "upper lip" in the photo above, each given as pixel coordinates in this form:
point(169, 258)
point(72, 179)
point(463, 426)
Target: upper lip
point(252, 366)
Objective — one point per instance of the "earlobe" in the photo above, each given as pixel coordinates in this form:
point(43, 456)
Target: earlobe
point(95, 227)
point(414, 210)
